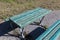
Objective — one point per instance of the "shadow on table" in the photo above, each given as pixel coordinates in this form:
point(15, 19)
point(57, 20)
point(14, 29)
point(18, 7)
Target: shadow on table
point(5, 28)
point(35, 33)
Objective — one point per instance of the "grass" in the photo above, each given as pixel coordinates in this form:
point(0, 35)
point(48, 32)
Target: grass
point(9, 8)
point(7, 1)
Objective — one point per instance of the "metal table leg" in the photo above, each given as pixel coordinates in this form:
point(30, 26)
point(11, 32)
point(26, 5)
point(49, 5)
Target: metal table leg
point(22, 34)
point(42, 19)
point(41, 22)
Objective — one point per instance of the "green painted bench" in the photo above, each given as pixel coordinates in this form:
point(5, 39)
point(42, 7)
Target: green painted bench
point(25, 18)
point(52, 33)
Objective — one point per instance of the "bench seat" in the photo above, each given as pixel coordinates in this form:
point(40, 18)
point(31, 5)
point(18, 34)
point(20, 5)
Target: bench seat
point(28, 17)
point(52, 33)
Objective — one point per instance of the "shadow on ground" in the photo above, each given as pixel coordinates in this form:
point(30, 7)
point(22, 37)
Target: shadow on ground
point(35, 33)
point(5, 28)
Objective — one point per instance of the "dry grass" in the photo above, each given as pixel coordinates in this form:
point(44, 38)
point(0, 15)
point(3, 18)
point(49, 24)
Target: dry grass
point(12, 7)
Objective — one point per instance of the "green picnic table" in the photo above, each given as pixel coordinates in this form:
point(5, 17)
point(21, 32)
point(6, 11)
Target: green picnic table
point(25, 18)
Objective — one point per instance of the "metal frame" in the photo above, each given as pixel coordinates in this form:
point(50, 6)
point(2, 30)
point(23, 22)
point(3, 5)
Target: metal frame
point(22, 33)
point(42, 19)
